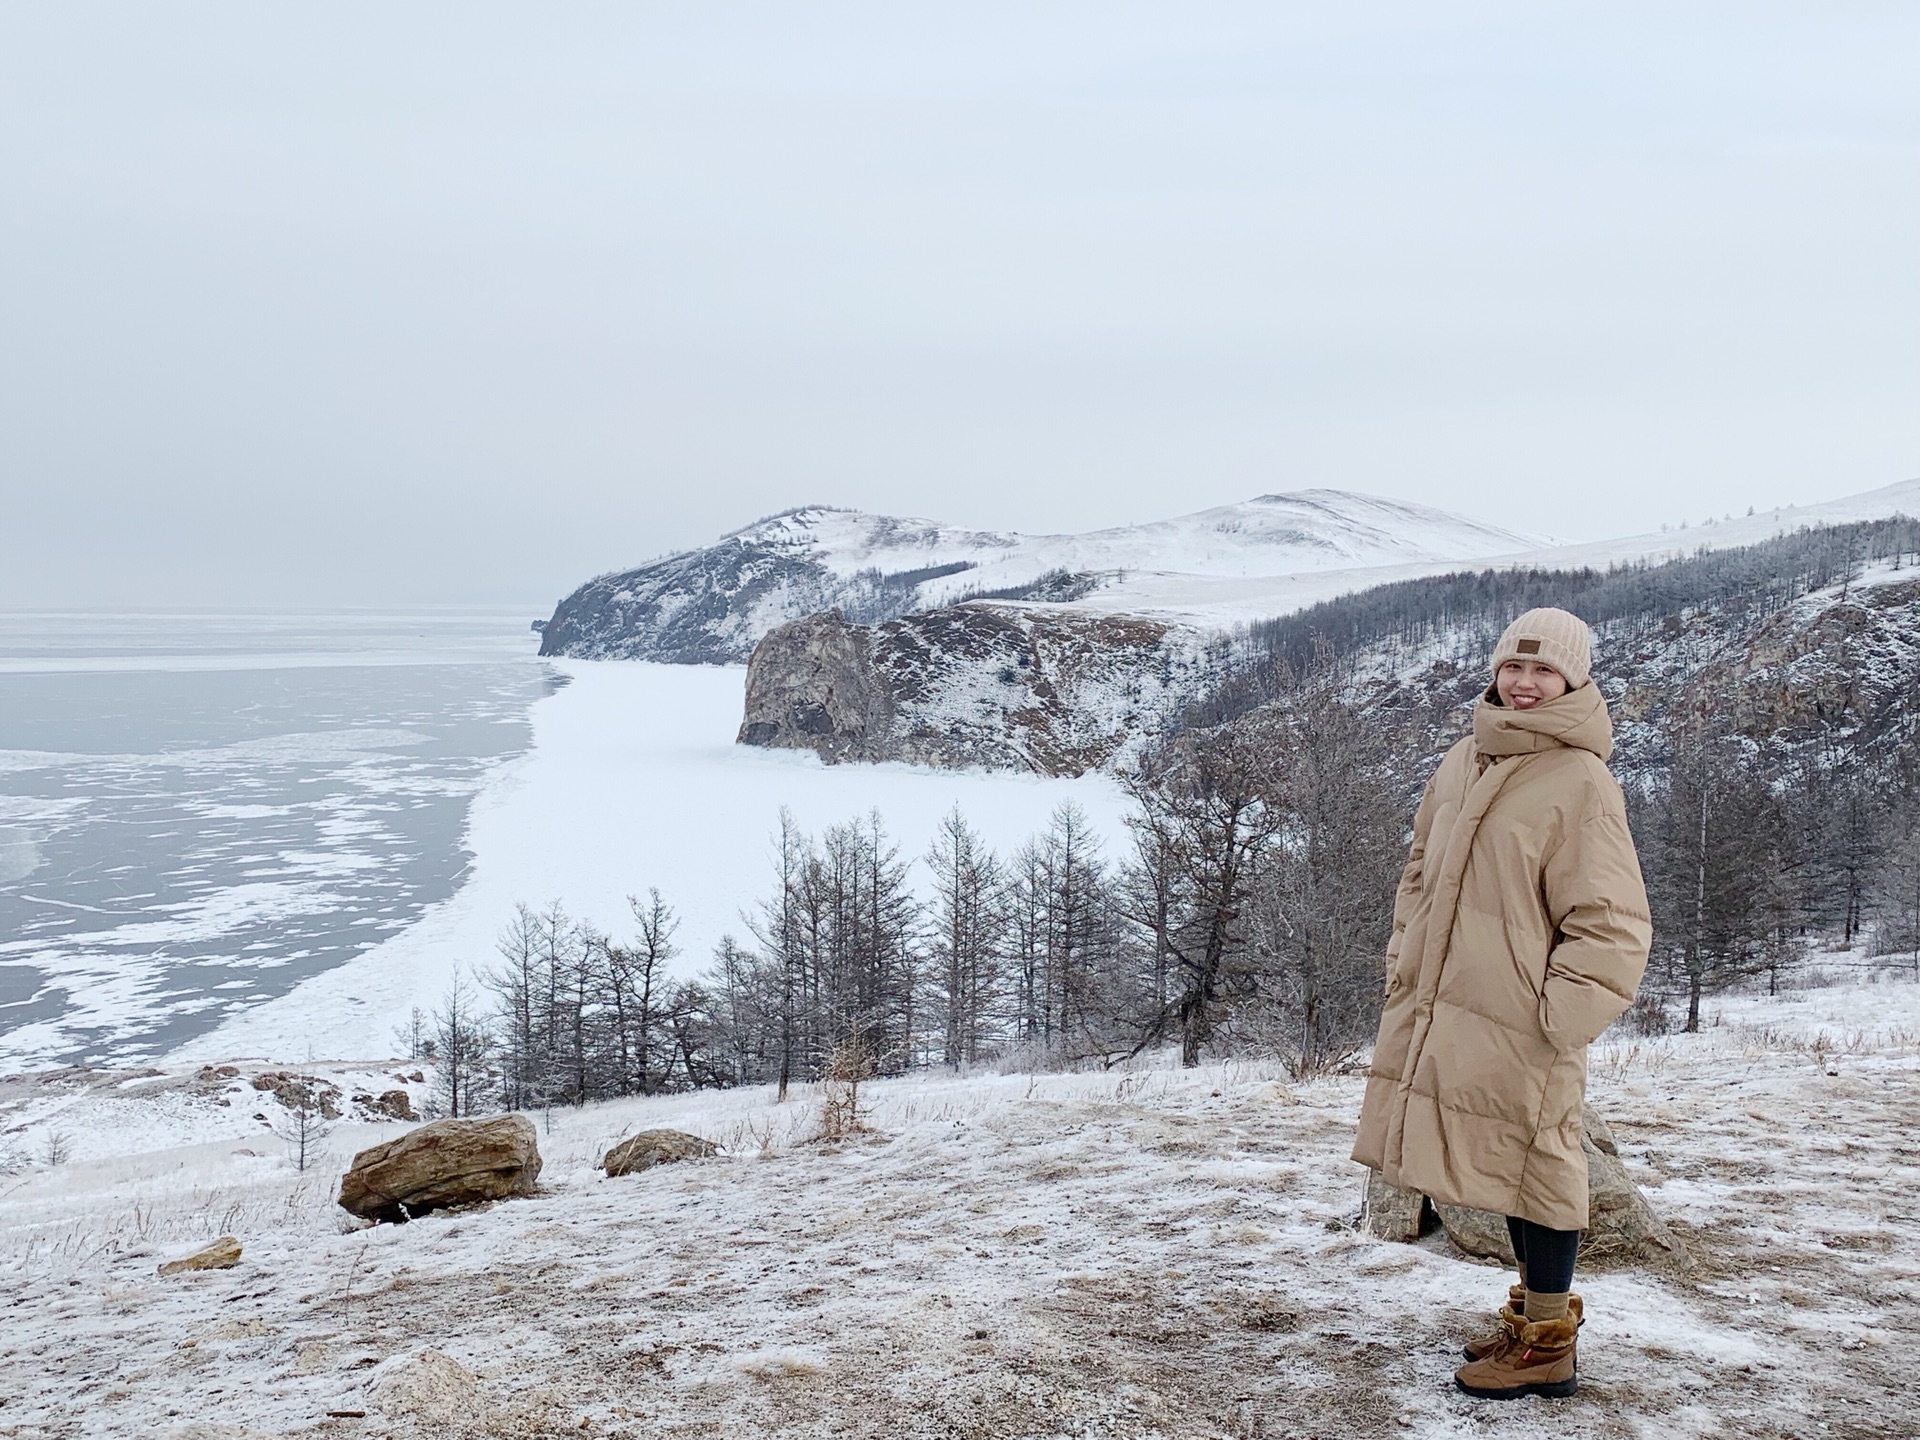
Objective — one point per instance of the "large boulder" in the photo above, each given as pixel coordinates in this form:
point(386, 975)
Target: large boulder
point(449, 1162)
point(1621, 1226)
point(656, 1147)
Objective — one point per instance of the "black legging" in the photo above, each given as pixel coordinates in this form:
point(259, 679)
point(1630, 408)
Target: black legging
point(1545, 1256)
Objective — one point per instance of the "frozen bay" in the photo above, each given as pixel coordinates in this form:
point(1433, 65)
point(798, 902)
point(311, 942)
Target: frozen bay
point(198, 812)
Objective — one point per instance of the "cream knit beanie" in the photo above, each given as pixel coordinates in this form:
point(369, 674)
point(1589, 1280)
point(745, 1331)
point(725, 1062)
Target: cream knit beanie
point(1554, 636)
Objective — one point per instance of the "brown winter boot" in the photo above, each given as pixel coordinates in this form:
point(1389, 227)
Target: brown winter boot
point(1539, 1361)
point(1511, 1317)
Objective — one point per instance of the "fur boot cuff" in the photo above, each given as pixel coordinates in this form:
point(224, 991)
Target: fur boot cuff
point(1550, 1334)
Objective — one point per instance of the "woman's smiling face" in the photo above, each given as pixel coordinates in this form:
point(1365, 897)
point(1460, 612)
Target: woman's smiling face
point(1523, 684)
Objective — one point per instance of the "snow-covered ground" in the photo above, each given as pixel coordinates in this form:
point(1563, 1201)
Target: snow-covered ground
point(1268, 556)
point(633, 781)
point(1219, 595)
point(1268, 535)
point(1148, 1253)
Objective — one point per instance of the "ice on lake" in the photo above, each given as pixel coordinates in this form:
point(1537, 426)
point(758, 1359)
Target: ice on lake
point(199, 812)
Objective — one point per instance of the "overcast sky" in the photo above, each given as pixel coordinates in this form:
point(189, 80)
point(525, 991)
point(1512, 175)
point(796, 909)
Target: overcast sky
point(392, 304)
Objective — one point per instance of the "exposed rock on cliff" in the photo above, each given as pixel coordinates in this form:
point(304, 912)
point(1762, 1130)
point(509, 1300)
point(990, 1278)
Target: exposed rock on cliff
point(711, 606)
point(1055, 691)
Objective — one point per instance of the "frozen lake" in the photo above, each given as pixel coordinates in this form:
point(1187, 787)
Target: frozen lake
point(197, 812)
point(225, 835)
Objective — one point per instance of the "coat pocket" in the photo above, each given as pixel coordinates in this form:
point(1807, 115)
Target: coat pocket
point(1478, 1065)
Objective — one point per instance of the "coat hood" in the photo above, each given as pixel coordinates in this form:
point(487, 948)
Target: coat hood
point(1578, 718)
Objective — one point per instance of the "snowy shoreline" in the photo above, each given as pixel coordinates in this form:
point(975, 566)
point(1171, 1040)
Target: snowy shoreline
point(633, 781)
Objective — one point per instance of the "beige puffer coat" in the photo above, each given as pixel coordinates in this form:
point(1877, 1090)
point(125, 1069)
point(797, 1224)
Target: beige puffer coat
point(1520, 932)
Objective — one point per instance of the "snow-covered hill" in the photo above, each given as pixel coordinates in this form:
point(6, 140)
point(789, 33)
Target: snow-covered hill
point(715, 604)
point(1209, 570)
point(1218, 600)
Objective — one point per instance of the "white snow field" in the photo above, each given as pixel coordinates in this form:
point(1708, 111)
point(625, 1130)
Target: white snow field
point(1220, 596)
point(1262, 557)
point(632, 781)
point(1268, 535)
point(1147, 1253)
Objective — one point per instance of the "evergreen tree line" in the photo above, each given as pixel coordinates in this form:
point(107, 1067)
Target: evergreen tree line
point(1248, 908)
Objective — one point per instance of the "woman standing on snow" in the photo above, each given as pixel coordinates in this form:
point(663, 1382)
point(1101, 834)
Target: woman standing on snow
point(1520, 932)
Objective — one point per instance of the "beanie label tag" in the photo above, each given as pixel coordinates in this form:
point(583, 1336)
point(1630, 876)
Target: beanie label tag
point(1528, 647)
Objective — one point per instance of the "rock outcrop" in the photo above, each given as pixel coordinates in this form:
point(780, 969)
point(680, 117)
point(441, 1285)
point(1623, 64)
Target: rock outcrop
point(711, 606)
point(1621, 1226)
point(222, 1254)
point(655, 1147)
point(448, 1162)
point(301, 1092)
point(1838, 664)
point(387, 1105)
point(995, 685)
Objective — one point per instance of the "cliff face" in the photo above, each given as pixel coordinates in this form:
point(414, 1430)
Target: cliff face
point(705, 607)
point(1048, 690)
point(711, 606)
point(1836, 667)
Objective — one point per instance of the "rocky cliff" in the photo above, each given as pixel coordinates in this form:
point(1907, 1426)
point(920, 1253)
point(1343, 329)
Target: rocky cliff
point(1044, 689)
point(711, 606)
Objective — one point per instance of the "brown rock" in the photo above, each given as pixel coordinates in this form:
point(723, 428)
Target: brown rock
point(1620, 1225)
point(655, 1147)
point(1478, 1232)
point(449, 1162)
point(301, 1092)
point(211, 1078)
point(222, 1254)
point(391, 1105)
point(1392, 1213)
